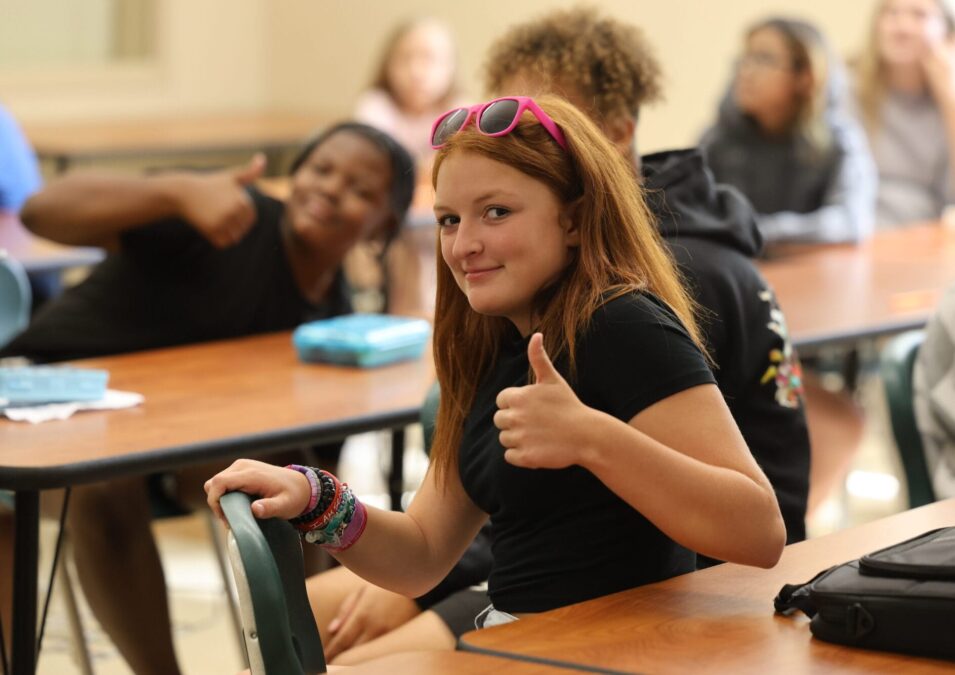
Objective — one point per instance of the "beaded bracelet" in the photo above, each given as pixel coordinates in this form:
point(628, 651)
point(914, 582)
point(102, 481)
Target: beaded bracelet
point(352, 531)
point(336, 519)
point(328, 490)
point(313, 482)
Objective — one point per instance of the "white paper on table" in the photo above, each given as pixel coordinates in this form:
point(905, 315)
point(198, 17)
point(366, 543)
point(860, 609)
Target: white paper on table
point(34, 414)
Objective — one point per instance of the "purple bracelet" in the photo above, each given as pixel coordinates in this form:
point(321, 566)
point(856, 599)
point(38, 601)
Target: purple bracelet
point(353, 531)
point(312, 481)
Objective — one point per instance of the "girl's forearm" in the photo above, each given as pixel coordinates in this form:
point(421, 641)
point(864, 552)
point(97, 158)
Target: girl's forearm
point(717, 511)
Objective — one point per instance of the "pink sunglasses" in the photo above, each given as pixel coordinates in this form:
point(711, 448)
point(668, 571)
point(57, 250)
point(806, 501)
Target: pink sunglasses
point(494, 118)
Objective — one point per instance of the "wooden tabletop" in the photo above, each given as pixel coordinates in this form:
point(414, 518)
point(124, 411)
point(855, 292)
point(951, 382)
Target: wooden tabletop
point(209, 401)
point(890, 283)
point(445, 663)
point(40, 255)
point(718, 620)
point(207, 133)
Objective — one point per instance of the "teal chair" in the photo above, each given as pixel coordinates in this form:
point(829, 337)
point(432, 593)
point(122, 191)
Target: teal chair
point(15, 298)
point(897, 362)
point(429, 414)
point(266, 556)
point(278, 626)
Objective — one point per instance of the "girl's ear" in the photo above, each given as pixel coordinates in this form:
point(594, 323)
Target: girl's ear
point(621, 129)
point(804, 84)
point(568, 222)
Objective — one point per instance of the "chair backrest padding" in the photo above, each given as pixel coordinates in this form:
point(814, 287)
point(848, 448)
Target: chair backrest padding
point(897, 363)
point(15, 298)
point(271, 554)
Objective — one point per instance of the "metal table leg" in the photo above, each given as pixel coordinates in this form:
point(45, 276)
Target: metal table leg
point(396, 481)
point(26, 548)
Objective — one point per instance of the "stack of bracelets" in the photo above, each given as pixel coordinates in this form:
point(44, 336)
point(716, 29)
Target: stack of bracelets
point(334, 518)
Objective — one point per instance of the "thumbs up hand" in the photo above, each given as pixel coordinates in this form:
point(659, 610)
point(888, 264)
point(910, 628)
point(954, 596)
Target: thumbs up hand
point(542, 425)
point(217, 205)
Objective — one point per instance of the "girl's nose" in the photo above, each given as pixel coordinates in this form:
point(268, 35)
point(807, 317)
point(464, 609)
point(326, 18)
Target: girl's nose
point(466, 241)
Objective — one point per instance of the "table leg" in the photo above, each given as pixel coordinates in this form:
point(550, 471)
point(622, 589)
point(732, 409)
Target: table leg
point(396, 481)
point(25, 552)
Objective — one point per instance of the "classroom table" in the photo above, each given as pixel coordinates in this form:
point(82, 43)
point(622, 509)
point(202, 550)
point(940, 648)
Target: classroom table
point(67, 143)
point(717, 620)
point(205, 402)
point(445, 663)
point(843, 293)
point(40, 256)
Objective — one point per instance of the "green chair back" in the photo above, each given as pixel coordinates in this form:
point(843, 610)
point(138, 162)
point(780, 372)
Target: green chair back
point(897, 362)
point(280, 631)
point(15, 298)
point(429, 413)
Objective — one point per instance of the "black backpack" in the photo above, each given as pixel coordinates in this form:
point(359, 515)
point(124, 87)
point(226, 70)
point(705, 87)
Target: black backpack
point(900, 598)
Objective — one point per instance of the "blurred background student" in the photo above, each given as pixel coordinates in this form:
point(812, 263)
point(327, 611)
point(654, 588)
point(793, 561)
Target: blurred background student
point(785, 138)
point(415, 82)
point(19, 172)
point(905, 89)
point(195, 257)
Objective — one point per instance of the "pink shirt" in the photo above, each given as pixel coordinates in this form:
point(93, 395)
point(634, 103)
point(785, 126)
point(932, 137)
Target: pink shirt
point(378, 109)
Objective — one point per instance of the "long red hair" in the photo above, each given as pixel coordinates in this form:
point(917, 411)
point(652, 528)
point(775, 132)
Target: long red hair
point(620, 251)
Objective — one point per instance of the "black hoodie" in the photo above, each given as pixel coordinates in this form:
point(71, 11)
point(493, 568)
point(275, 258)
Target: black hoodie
point(711, 231)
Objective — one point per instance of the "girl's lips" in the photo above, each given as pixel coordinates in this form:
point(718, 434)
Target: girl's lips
point(478, 274)
point(319, 209)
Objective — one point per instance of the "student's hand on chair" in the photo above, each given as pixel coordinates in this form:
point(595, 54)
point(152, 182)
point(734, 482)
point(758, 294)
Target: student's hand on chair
point(542, 424)
point(217, 205)
point(282, 493)
point(367, 613)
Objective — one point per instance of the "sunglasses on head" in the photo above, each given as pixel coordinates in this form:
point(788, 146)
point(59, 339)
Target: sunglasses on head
point(494, 118)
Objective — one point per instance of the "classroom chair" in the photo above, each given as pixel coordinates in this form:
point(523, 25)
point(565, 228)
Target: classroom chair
point(429, 414)
point(279, 628)
point(15, 298)
point(896, 364)
point(266, 555)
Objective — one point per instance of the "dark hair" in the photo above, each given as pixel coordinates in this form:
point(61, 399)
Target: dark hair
point(402, 166)
point(608, 61)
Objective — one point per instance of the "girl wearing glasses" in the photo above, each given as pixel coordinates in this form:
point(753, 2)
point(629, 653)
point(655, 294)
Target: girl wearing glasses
point(785, 139)
point(905, 86)
point(569, 363)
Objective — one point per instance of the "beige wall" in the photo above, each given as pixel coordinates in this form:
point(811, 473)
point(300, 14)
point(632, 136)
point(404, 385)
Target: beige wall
point(316, 55)
point(213, 56)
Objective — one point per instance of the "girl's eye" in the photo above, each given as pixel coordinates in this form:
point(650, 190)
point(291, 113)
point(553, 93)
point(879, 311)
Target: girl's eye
point(448, 221)
point(496, 212)
point(364, 194)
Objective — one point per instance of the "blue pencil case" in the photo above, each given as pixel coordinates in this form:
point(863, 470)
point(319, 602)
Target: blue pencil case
point(29, 385)
point(365, 340)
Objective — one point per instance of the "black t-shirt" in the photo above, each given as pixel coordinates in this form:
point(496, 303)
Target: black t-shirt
point(168, 286)
point(561, 536)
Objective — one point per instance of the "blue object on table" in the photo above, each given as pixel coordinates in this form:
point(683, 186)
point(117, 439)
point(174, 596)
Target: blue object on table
point(28, 385)
point(362, 339)
point(15, 298)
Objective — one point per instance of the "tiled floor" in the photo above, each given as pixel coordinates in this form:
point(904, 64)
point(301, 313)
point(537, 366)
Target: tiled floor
point(205, 640)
